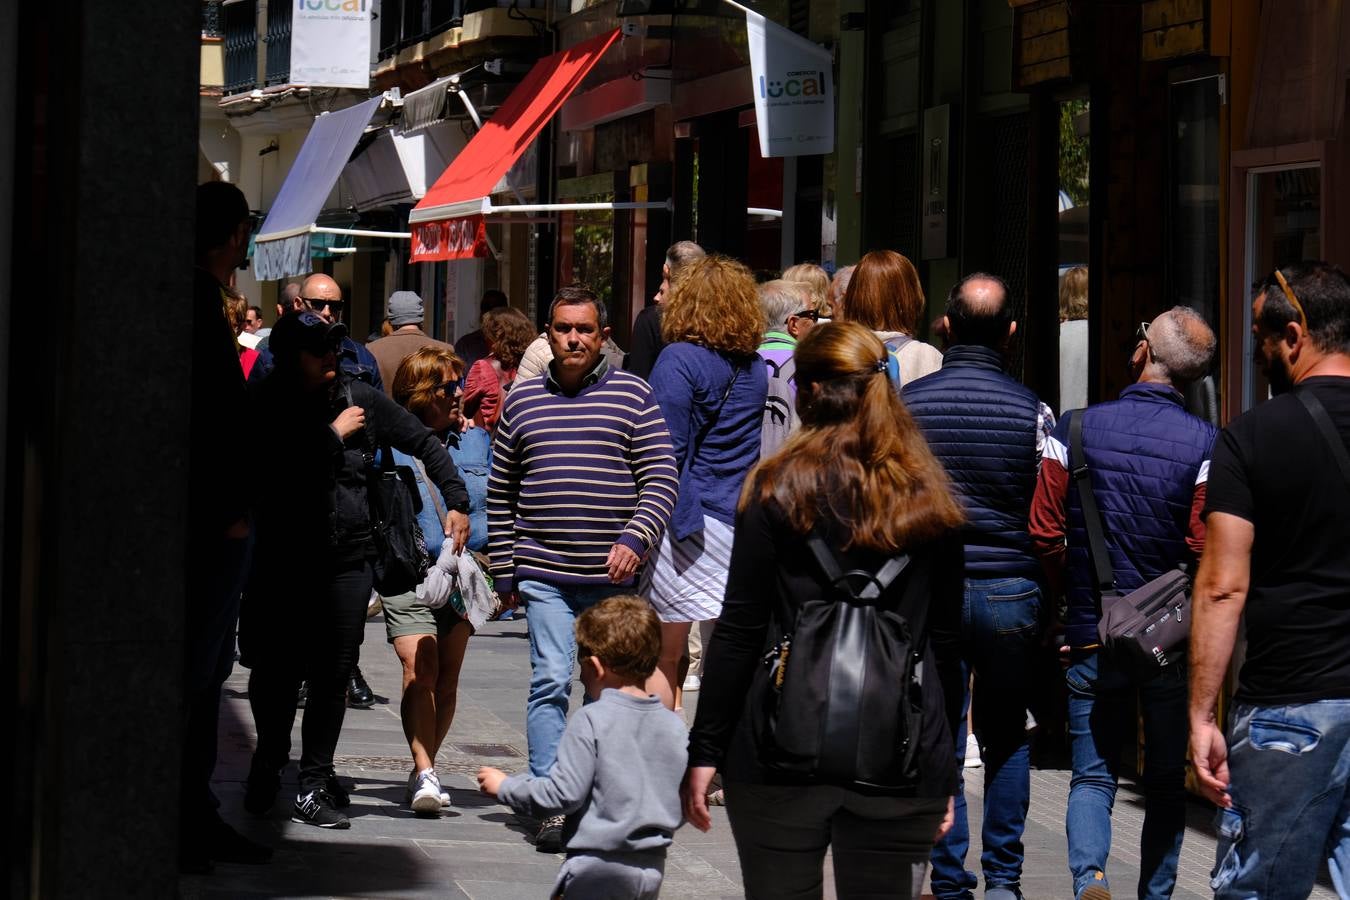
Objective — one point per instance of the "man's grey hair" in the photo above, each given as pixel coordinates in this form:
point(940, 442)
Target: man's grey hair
point(1182, 345)
point(780, 299)
point(839, 284)
point(681, 254)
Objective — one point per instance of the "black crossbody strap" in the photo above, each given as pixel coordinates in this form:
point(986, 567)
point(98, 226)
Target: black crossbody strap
point(1327, 427)
point(1092, 516)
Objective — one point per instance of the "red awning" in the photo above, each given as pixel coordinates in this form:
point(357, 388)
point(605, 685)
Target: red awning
point(448, 222)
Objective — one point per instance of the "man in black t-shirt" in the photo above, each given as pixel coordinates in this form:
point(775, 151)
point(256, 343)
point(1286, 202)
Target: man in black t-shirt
point(1278, 532)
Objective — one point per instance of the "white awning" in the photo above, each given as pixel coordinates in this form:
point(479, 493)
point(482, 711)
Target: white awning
point(282, 247)
point(397, 167)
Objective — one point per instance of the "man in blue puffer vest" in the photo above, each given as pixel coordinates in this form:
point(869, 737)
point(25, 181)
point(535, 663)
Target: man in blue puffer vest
point(1148, 461)
point(988, 430)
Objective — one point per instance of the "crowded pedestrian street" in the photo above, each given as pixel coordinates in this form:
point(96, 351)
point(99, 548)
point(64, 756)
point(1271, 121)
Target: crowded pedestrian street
point(479, 850)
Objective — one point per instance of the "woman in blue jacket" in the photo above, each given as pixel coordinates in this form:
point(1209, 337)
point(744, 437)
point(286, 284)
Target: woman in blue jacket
point(430, 643)
point(711, 386)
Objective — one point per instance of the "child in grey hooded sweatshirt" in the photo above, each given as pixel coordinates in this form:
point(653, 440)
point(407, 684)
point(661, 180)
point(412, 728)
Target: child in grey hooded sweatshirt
point(619, 765)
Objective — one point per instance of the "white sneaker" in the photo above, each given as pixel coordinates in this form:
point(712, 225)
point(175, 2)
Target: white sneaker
point(412, 789)
point(692, 683)
point(426, 798)
point(973, 760)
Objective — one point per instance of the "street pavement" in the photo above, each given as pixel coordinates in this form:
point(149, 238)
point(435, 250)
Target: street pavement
point(479, 849)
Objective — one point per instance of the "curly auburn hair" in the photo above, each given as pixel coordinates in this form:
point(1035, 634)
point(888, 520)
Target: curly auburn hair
point(420, 374)
point(714, 303)
point(884, 294)
point(508, 332)
point(624, 634)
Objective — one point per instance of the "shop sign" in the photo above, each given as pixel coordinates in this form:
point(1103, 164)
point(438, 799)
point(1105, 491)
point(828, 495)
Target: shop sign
point(330, 43)
point(794, 90)
point(464, 238)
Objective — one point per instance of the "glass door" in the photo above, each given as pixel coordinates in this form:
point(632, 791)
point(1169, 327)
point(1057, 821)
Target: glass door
point(1284, 225)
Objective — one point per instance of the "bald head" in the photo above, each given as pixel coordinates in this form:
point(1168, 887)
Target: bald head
point(322, 294)
point(1180, 347)
point(978, 312)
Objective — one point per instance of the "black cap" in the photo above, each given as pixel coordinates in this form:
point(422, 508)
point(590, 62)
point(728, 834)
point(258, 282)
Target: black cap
point(304, 331)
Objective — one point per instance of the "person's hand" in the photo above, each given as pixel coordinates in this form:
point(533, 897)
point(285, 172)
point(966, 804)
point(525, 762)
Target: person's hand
point(490, 780)
point(349, 422)
point(1209, 755)
point(694, 796)
point(508, 599)
point(948, 820)
point(622, 562)
point(457, 529)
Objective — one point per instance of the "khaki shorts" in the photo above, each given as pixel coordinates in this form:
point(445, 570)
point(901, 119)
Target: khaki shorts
point(404, 616)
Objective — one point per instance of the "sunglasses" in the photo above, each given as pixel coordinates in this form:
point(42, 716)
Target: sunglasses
point(1293, 301)
point(316, 303)
point(447, 388)
point(806, 314)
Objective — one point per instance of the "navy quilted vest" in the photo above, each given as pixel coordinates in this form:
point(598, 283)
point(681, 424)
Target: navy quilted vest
point(982, 425)
point(1144, 453)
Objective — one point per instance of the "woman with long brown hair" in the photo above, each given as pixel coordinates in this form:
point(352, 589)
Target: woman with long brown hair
point(858, 475)
point(711, 386)
point(884, 294)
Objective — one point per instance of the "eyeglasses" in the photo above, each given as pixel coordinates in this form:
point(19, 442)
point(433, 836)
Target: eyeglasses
point(811, 314)
point(1293, 301)
point(1141, 334)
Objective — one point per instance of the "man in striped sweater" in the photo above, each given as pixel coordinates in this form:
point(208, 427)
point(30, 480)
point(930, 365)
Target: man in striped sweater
point(583, 484)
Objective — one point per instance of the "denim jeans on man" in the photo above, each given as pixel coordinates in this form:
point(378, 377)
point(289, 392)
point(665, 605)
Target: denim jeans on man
point(1101, 724)
point(1000, 635)
point(1288, 767)
point(553, 611)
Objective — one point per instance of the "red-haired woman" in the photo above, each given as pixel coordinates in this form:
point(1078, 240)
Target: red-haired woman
point(859, 475)
point(884, 294)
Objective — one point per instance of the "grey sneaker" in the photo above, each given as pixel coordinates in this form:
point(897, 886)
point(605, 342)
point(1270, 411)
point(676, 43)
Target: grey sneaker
point(426, 798)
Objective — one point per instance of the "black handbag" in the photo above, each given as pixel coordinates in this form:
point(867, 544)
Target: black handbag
point(401, 560)
point(1147, 629)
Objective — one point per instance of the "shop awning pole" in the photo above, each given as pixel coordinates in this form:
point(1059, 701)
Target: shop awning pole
point(361, 232)
point(490, 210)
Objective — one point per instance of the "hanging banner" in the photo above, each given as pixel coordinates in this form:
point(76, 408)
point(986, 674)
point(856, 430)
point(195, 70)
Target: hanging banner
point(463, 238)
point(330, 43)
point(794, 90)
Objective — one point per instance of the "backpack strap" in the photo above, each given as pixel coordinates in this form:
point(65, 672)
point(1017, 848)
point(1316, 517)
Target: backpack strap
point(1324, 424)
point(1092, 517)
point(876, 583)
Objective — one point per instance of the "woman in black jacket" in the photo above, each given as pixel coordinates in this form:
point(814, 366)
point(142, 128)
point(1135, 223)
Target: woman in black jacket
point(859, 475)
point(305, 610)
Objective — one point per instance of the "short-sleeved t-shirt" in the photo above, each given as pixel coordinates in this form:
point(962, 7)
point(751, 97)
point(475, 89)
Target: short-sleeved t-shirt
point(1273, 467)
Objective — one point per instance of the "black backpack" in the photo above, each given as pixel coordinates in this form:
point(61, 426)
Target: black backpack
point(838, 699)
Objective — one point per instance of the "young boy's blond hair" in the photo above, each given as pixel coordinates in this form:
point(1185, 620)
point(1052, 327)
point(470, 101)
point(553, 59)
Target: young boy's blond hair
point(624, 634)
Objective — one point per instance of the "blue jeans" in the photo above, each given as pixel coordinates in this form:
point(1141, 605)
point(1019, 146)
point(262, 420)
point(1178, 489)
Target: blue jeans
point(1291, 808)
point(1000, 625)
point(553, 611)
point(1101, 723)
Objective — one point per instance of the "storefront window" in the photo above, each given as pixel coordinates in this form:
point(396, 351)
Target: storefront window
point(1075, 164)
point(1284, 216)
point(1193, 217)
point(586, 252)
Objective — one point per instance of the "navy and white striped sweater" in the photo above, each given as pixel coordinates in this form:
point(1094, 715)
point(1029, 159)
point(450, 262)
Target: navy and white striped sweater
point(573, 475)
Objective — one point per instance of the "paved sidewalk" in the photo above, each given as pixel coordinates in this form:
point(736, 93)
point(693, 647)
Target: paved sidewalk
point(478, 849)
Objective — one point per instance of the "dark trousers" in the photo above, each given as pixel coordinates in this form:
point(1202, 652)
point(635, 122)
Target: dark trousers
point(316, 643)
point(782, 834)
point(208, 641)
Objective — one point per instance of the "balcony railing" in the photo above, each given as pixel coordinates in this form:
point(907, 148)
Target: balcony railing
point(211, 19)
point(405, 22)
point(278, 43)
point(241, 46)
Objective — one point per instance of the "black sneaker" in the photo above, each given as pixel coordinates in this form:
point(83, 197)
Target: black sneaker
point(260, 791)
point(341, 799)
point(549, 838)
point(316, 808)
point(359, 694)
